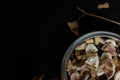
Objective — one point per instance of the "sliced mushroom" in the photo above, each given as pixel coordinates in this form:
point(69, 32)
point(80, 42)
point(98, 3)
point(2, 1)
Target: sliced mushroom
point(117, 75)
point(75, 76)
point(93, 61)
point(99, 72)
point(106, 55)
point(81, 47)
point(91, 48)
point(89, 41)
point(85, 73)
point(112, 41)
point(109, 68)
point(109, 47)
point(99, 40)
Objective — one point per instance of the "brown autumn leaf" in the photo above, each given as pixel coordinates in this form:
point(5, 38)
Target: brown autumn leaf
point(74, 27)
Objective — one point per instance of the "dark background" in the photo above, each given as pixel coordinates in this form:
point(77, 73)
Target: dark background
point(49, 36)
point(3, 7)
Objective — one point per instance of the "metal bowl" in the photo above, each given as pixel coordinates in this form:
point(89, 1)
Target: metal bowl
point(79, 41)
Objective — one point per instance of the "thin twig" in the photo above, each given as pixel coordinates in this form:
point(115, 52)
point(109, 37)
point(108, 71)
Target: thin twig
point(81, 16)
point(118, 23)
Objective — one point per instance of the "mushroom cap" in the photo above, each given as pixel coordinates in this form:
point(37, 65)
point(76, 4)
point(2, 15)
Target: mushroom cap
point(108, 67)
point(99, 72)
point(91, 48)
point(112, 41)
point(93, 61)
point(109, 47)
point(84, 73)
point(106, 55)
point(75, 76)
point(117, 75)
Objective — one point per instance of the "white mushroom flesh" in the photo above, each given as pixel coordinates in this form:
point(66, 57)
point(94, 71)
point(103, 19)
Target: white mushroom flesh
point(91, 48)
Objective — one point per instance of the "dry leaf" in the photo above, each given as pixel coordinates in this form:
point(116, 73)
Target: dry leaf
point(104, 5)
point(73, 27)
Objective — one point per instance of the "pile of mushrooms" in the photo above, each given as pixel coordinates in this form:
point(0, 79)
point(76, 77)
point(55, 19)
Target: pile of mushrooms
point(96, 58)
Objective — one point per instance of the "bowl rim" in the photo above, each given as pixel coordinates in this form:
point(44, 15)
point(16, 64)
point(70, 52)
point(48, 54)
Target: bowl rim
point(79, 41)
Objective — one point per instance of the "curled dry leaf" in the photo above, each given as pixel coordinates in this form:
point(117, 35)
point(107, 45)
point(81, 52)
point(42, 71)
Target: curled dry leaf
point(74, 27)
point(103, 6)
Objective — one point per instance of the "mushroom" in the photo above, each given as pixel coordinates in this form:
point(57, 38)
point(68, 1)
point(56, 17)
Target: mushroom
point(75, 76)
point(109, 47)
point(108, 67)
point(93, 61)
point(106, 55)
point(99, 72)
point(91, 48)
point(117, 75)
point(81, 47)
point(112, 41)
point(85, 74)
